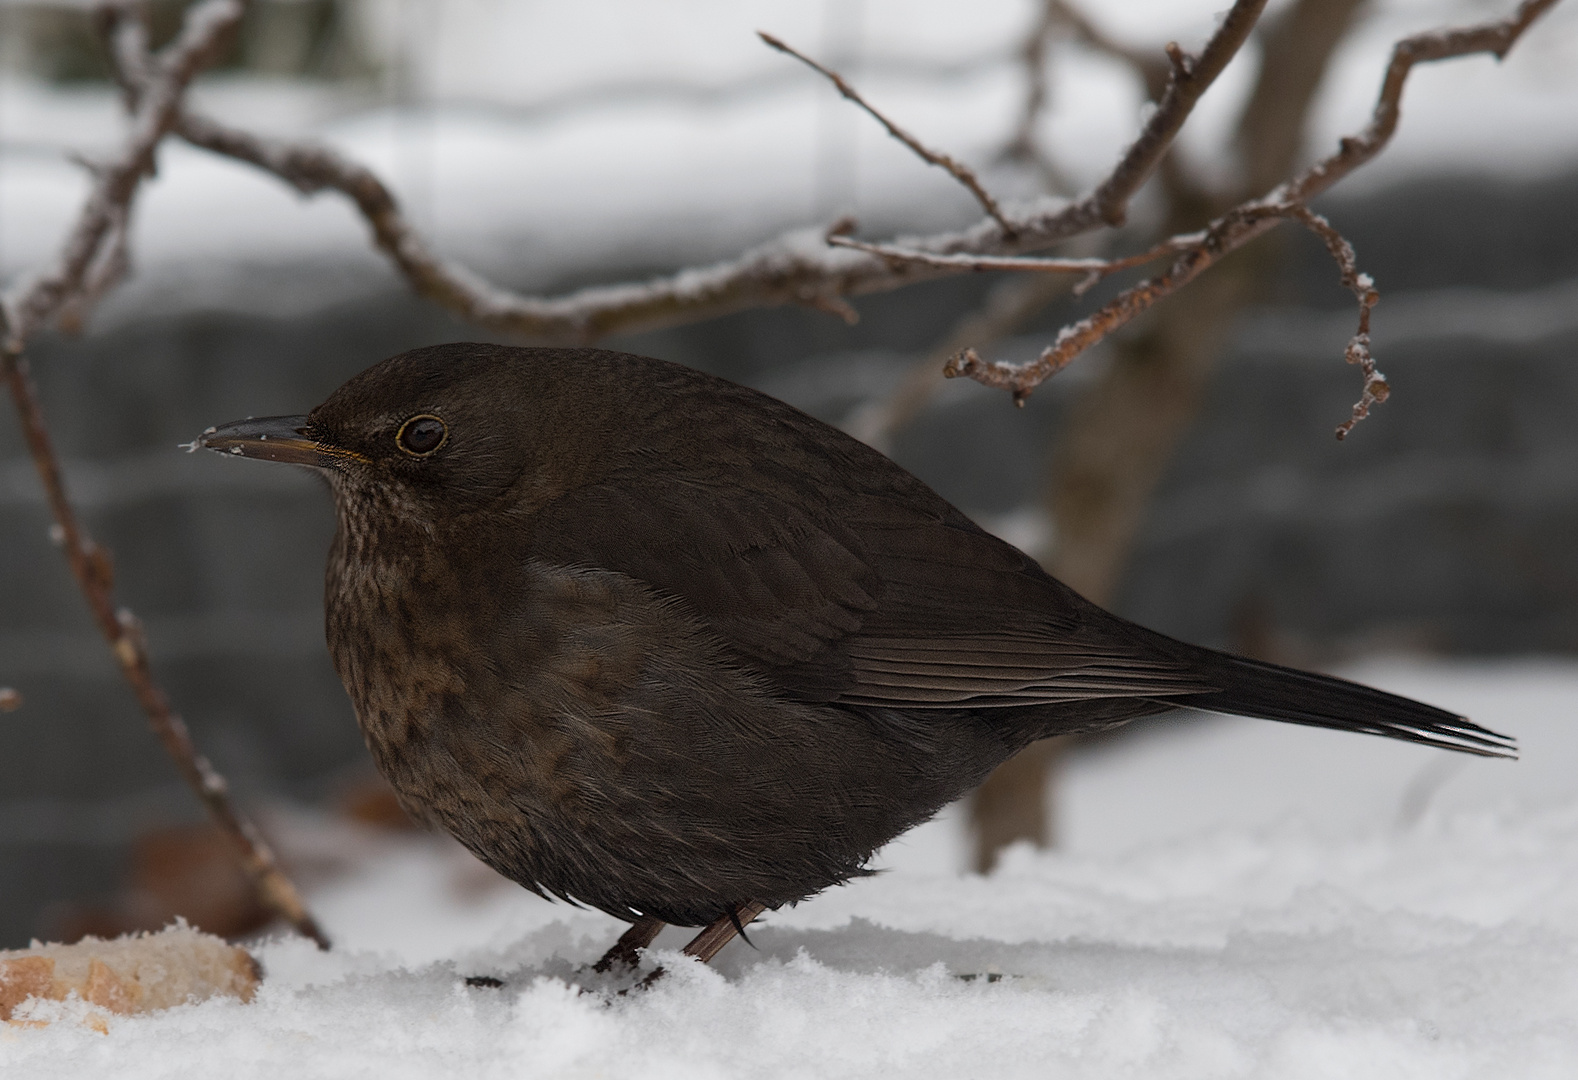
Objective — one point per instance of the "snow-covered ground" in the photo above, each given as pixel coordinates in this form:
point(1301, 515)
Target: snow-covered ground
point(1236, 899)
point(1232, 898)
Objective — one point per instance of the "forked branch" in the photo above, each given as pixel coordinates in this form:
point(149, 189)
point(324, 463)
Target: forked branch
point(797, 268)
point(1195, 252)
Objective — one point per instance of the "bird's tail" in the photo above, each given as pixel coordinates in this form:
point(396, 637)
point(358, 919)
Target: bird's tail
point(1272, 692)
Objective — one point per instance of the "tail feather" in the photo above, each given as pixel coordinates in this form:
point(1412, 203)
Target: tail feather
point(1272, 692)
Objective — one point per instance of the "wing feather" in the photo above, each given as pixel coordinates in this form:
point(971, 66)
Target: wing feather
point(875, 600)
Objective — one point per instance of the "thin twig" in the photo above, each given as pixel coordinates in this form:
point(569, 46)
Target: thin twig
point(957, 169)
point(1495, 37)
point(1092, 269)
point(1009, 306)
point(93, 258)
point(1245, 222)
point(1376, 388)
point(1189, 78)
point(91, 566)
point(204, 34)
point(1224, 235)
point(797, 268)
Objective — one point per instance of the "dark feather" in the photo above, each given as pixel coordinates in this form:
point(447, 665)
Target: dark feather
point(661, 644)
point(847, 611)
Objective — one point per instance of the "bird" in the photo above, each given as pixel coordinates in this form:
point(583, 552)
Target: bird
point(649, 641)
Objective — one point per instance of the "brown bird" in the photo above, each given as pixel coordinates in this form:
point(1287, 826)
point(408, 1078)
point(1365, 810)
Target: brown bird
point(649, 641)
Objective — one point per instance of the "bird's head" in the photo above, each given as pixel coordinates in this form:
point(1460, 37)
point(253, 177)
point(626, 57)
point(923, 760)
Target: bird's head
point(435, 433)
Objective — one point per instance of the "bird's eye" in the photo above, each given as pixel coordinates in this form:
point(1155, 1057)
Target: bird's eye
point(421, 435)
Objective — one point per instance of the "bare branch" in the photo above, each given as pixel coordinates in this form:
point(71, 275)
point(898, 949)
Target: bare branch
point(1496, 37)
point(1190, 78)
point(957, 169)
point(93, 258)
point(797, 268)
point(1151, 67)
point(1092, 269)
point(1296, 47)
point(203, 36)
point(1376, 388)
point(794, 269)
point(1245, 222)
point(1009, 306)
point(1198, 252)
point(92, 568)
point(1224, 235)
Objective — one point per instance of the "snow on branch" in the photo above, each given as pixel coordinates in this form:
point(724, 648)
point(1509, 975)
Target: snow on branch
point(93, 258)
point(1092, 269)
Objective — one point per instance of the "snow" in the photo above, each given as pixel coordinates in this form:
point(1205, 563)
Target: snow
point(1235, 899)
point(1231, 898)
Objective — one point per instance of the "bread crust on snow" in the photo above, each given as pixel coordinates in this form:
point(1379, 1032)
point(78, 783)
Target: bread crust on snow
point(132, 974)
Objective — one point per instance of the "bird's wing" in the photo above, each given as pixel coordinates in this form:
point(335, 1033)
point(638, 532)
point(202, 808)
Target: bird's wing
point(880, 601)
point(966, 618)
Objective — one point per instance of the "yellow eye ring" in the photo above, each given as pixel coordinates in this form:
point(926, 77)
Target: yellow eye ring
point(422, 435)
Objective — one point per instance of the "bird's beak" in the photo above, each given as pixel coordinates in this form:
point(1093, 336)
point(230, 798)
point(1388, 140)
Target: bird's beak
point(272, 438)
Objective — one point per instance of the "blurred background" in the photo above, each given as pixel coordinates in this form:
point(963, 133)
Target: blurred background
point(1185, 473)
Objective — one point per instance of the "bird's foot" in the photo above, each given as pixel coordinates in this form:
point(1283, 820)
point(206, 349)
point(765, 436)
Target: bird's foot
point(705, 945)
point(626, 952)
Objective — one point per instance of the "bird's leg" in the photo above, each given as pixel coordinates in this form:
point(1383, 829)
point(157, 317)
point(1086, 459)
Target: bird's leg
point(705, 945)
point(641, 934)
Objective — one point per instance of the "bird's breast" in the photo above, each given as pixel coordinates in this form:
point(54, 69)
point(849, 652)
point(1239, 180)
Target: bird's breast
point(396, 632)
point(485, 683)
